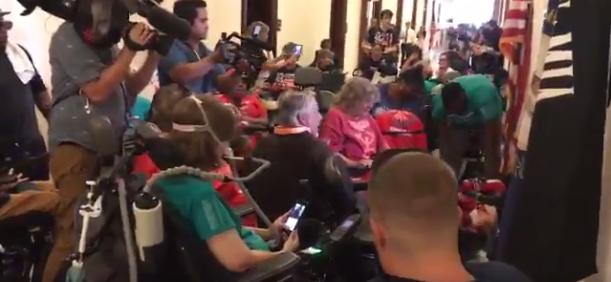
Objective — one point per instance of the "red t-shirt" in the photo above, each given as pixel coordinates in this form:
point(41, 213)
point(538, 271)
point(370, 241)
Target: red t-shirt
point(355, 138)
point(144, 164)
point(250, 105)
point(229, 191)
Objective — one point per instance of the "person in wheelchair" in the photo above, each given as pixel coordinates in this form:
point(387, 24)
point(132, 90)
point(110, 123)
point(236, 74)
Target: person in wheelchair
point(160, 114)
point(162, 108)
point(349, 129)
point(296, 154)
point(376, 62)
point(325, 61)
point(469, 107)
point(21, 196)
point(415, 224)
point(283, 78)
point(201, 128)
point(232, 90)
point(406, 93)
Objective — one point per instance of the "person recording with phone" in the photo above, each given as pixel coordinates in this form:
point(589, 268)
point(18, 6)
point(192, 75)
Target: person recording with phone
point(283, 78)
point(201, 128)
point(415, 224)
point(190, 63)
point(90, 76)
point(325, 61)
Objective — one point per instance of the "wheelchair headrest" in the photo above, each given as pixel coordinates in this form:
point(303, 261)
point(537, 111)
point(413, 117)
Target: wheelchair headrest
point(326, 99)
point(308, 76)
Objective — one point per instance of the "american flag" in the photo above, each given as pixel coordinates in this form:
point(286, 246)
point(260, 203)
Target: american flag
point(515, 45)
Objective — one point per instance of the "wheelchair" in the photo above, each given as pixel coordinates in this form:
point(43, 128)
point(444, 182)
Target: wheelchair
point(190, 259)
point(25, 243)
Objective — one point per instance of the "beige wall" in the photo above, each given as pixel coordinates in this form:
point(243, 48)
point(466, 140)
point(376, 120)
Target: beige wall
point(300, 26)
point(390, 5)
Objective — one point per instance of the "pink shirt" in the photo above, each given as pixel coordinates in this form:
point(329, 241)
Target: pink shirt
point(356, 138)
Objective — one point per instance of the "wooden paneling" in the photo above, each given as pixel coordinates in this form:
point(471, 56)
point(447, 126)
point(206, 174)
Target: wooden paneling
point(338, 28)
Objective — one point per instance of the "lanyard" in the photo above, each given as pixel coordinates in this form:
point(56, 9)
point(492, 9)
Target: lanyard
point(280, 130)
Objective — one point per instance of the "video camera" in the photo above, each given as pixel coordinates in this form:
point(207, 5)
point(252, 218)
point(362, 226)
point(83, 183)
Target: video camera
point(245, 54)
point(103, 22)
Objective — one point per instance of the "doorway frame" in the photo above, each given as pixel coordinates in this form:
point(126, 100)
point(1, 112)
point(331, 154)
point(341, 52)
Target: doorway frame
point(399, 18)
point(414, 13)
point(338, 28)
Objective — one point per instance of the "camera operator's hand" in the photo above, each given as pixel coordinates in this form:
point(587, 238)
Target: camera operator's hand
point(217, 55)
point(138, 37)
point(292, 242)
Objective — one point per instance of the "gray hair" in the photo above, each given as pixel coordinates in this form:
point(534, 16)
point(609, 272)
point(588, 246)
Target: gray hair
point(263, 31)
point(356, 90)
point(323, 53)
point(293, 103)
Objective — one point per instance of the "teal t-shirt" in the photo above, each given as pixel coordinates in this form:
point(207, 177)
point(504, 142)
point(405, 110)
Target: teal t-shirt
point(141, 107)
point(429, 84)
point(197, 201)
point(483, 103)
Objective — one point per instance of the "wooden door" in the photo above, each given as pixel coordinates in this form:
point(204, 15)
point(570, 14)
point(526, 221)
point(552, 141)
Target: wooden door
point(339, 28)
point(265, 11)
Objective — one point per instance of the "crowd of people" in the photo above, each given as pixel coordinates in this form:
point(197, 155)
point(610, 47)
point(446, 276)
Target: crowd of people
point(411, 197)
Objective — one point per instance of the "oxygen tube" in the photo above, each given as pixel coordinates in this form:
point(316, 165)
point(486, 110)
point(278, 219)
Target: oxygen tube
point(148, 209)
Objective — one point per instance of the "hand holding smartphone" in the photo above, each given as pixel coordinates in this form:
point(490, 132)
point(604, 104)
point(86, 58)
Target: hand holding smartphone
point(298, 49)
point(295, 215)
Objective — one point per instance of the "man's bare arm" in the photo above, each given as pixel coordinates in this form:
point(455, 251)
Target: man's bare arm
point(366, 46)
point(183, 73)
point(137, 81)
point(99, 89)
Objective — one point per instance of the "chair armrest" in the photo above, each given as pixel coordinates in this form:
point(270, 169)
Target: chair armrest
point(243, 210)
point(272, 269)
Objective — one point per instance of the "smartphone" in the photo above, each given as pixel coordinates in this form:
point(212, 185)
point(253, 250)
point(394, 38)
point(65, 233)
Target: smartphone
point(294, 215)
point(311, 251)
point(298, 49)
point(257, 30)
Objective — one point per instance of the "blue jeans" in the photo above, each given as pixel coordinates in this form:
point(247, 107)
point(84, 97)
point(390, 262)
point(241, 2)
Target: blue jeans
point(511, 203)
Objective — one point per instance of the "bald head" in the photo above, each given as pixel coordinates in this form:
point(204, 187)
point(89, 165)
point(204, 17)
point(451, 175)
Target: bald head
point(414, 189)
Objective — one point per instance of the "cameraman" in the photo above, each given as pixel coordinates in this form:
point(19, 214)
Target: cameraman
point(190, 63)
point(415, 224)
point(90, 76)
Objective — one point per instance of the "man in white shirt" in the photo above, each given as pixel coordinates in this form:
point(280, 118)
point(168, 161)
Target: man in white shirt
point(408, 41)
